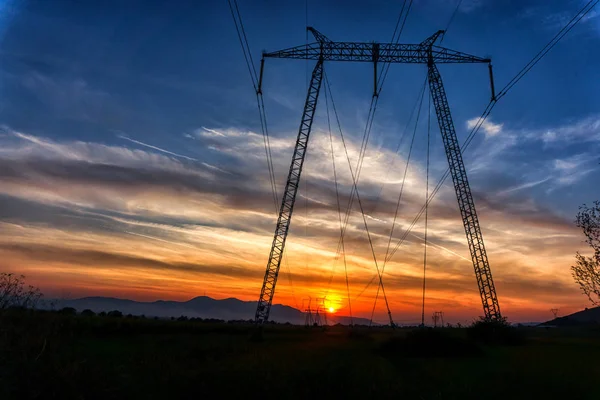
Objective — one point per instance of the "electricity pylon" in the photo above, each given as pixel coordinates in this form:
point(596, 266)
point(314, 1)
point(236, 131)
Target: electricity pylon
point(438, 316)
point(426, 53)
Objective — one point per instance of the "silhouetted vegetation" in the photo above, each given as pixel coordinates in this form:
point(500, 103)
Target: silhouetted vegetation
point(429, 342)
point(493, 332)
point(88, 313)
point(15, 293)
point(586, 271)
point(51, 354)
point(68, 311)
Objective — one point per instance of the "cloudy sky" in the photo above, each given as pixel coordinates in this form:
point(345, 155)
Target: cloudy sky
point(132, 161)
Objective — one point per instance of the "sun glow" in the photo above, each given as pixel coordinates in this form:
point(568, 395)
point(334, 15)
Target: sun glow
point(331, 309)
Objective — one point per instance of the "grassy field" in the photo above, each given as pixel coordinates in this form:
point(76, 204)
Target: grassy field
point(47, 355)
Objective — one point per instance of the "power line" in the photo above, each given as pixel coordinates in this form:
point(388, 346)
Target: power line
point(559, 35)
point(373, 106)
point(337, 196)
point(566, 29)
point(401, 192)
point(245, 50)
point(243, 39)
point(451, 19)
point(328, 87)
point(426, 209)
point(370, 119)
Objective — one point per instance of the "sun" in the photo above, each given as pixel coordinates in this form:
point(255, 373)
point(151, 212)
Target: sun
point(331, 309)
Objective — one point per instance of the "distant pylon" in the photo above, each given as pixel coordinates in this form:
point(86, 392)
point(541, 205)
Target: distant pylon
point(554, 312)
point(321, 311)
point(438, 317)
point(308, 317)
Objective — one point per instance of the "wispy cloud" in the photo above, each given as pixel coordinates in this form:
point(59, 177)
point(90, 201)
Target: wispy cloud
point(489, 128)
point(584, 130)
point(568, 171)
point(467, 6)
point(170, 214)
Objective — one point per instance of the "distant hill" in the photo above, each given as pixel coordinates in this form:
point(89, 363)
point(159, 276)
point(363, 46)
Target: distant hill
point(589, 316)
point(198, 307)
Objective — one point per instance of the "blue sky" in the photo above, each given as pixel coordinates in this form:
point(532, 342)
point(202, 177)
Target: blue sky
point(143, 110)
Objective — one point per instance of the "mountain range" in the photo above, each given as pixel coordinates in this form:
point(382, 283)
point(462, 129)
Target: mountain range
point(199, 307)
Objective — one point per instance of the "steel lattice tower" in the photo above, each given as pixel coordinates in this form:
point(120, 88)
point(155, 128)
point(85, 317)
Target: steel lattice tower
point(423, 53)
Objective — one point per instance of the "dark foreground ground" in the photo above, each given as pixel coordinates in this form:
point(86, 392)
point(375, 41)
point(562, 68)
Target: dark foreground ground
point(47, 355)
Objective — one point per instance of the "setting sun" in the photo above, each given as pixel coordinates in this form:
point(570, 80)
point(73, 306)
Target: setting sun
point(331, 309)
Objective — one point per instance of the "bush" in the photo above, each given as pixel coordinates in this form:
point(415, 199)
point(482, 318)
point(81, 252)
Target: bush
point(495, 332)
point(115, 313)
point(68, 311)
point(428, 342)
point(88, 313)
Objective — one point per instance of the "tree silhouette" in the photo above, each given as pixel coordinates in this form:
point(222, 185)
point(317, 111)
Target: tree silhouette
point(88, 313)
point(115, 313)
point(586, 271)
point(68, 311)
point(14, 292)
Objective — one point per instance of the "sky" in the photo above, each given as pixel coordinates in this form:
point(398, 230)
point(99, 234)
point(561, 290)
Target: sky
point(132, 162)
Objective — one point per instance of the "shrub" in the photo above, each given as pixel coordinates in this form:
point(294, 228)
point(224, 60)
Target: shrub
point(115, 313)
point(495, 332)
point(428, 342)
point(68, 311)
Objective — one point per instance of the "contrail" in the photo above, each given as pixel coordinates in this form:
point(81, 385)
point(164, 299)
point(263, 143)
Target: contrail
point(156, 148)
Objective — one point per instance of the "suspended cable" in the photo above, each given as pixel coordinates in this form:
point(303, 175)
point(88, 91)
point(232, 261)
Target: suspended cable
point(415, 107)
point(566, 29)
point(243, 39)
point(267, 146)
point(337, 196)
point(379, 88)
point(375, 101)
point(247, 55)
point(559, 35)
point(426, 209)
point(400, 195)
point(438, 186)
point(383, 80)
point(358, 199)
point(451, 19)
point(386, 66)
point(370, 119)
point(400, 141)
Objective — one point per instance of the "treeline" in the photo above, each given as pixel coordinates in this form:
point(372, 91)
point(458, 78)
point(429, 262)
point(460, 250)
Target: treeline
point(183, 318)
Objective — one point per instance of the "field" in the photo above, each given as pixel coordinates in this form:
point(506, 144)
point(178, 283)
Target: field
point(47, 355)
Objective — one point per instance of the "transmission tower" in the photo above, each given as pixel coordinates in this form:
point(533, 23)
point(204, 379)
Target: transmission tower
point(438, 317)
point(423, 53)
point(308, 317)
point(554, 312)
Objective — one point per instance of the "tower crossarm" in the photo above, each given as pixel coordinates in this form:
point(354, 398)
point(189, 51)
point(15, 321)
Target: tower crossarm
point(385, 52)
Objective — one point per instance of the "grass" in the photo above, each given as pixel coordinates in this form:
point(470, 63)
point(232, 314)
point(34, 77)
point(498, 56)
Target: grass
point(46, 355)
